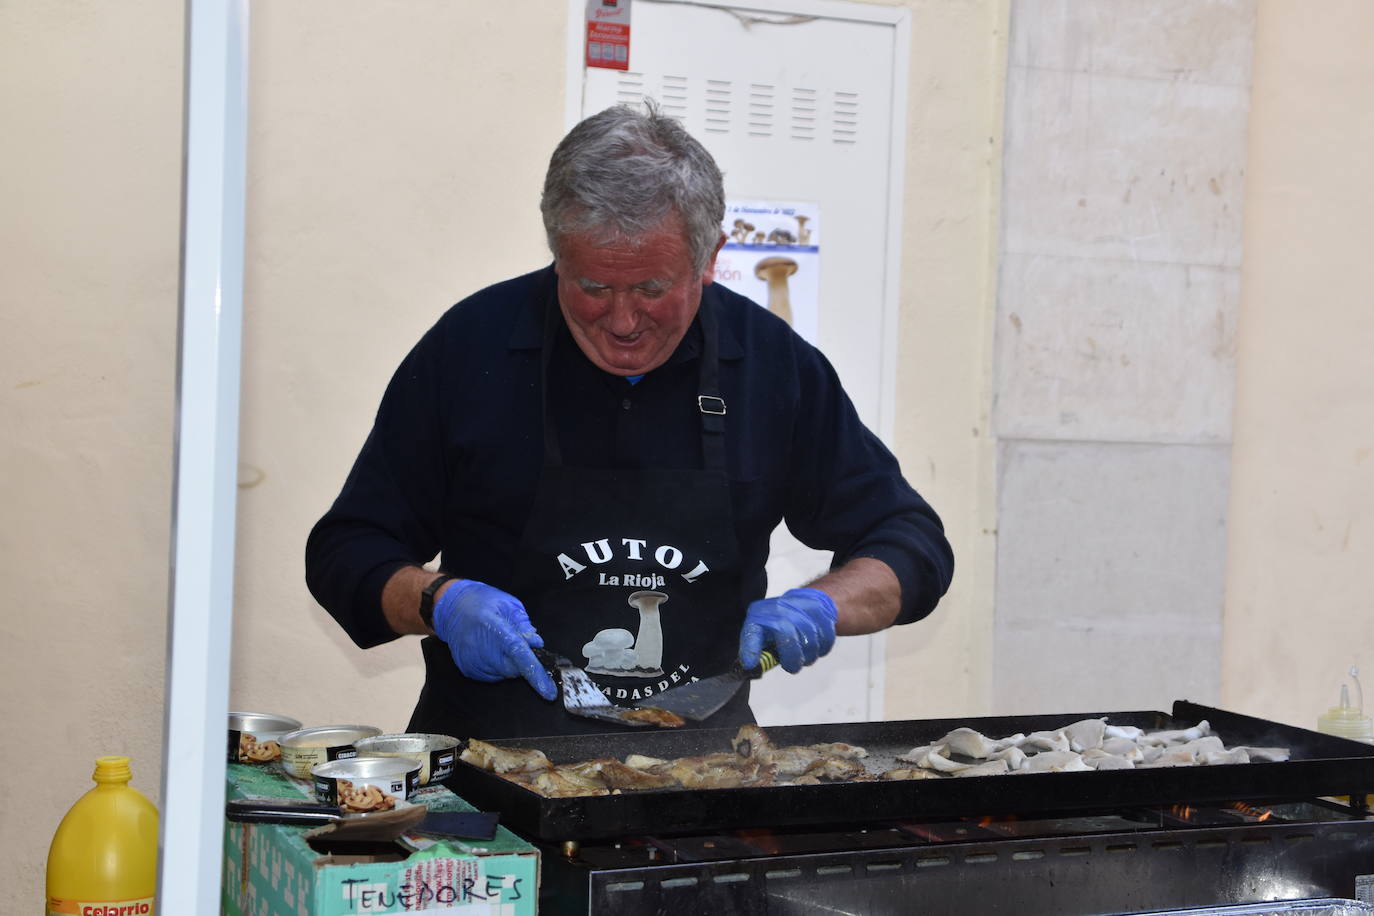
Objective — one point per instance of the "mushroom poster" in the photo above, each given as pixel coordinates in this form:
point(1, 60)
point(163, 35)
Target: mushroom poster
point(772, 255)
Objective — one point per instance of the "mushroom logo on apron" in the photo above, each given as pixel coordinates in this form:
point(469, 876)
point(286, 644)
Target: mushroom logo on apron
point(615, 651)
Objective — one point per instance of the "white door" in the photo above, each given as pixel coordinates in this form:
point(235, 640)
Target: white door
point(795, 108)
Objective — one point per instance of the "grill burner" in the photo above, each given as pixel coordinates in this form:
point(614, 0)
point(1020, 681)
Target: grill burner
point(1132, 860)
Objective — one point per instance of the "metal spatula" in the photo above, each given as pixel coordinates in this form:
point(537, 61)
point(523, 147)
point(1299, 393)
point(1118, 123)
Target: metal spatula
point(702, 699)
point(382, 825)
point(581, 696)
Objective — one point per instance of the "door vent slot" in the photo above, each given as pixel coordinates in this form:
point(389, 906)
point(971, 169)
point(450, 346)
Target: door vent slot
point(805, 113)
point(845, 117)
point(673, 96)
point(629, 88)
point(719, 97)
point(761, 109)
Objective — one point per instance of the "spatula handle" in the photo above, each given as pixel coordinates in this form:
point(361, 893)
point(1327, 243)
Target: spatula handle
point(281, 811)
point(550, 660)
point(767, 662)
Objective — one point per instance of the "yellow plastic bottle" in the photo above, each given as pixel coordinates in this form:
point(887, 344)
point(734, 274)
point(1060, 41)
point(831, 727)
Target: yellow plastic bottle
point(1348, 721)
point(103, 858)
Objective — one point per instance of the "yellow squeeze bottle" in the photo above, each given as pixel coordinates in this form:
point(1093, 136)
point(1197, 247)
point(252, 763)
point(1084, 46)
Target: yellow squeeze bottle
point(1348, 721)
point(103, 858)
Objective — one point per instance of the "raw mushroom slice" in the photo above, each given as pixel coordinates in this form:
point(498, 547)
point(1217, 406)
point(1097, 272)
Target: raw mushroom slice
point(1085, 734)
point(917, 755)
point(1040, 742)
point(988, 768)
point(1099, 759)
point(1175, 736)
point(1054, 762)
point(1009, 741)
point(1122, 747)
point(1266, 754)
point(1014, 756)
point(1223, 757)
point(1207, 745)
point(1123, 731)
point(969, 743)
point(935, 760)
point(1181, 755)
point(1173, 757)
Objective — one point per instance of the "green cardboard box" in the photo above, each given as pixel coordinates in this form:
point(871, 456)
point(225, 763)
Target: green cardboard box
point(271, 870)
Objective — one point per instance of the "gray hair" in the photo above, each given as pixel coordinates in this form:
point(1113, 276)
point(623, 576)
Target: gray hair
point(621, 173)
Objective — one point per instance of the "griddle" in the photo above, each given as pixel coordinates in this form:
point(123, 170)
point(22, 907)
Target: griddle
point(1320, 765)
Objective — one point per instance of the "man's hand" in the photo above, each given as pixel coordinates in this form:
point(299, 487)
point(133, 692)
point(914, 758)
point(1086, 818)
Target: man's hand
point(800, 625)
point(490, 635)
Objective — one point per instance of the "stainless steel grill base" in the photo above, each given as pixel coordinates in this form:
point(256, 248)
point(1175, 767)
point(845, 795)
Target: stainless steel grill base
point(1108, 864)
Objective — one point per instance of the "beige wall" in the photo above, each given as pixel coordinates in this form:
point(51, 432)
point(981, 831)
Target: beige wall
point(1299, 587)
point(395, 162)
point(90, 196)
point(1118, 297)
point(939, 667)
point(395, 155)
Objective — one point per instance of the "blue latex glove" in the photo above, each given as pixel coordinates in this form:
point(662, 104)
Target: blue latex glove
point(800, 625)
point(490, 635)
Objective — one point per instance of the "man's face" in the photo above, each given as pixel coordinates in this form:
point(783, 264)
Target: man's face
point(628, 306)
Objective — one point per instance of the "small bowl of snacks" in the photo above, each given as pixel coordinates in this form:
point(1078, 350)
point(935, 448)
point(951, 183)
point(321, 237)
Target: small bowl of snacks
point(254, 737)
point(306, 748)
point(436, 753)
point(367, 785)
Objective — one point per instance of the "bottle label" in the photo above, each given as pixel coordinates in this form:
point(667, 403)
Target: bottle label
point(143, 906)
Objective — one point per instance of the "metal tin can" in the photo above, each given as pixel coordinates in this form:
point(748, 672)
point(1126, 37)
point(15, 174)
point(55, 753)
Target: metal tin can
point(306, 748)
point(436, 753)
point(367, 784)
point(254, 736)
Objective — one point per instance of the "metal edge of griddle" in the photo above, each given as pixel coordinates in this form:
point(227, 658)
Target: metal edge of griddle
point(666, 812)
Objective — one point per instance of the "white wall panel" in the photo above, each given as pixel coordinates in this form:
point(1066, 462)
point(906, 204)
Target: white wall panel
point(1109, 575)
point(1118, 302)
point(1125, 168)
point(1101, 349)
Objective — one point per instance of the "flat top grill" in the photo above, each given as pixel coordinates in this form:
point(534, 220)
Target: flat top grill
point(1320, 765)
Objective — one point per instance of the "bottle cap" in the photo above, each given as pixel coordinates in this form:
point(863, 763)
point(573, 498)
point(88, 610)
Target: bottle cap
point(112, 769)
point(1346, 721)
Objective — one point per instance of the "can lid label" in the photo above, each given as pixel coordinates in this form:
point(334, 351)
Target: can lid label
point(58, 906)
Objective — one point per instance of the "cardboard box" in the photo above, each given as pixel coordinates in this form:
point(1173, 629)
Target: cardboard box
point(271, 870)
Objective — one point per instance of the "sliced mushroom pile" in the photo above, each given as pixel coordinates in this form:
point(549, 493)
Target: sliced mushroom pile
point(1090, 744)
point(754, 760)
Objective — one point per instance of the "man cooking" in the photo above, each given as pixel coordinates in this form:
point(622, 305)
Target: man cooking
point(598, 453)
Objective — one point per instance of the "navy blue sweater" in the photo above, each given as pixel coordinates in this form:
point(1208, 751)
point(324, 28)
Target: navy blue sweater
point(454, 455)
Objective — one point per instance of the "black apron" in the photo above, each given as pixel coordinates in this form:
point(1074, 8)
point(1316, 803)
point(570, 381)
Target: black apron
point(631, 574)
